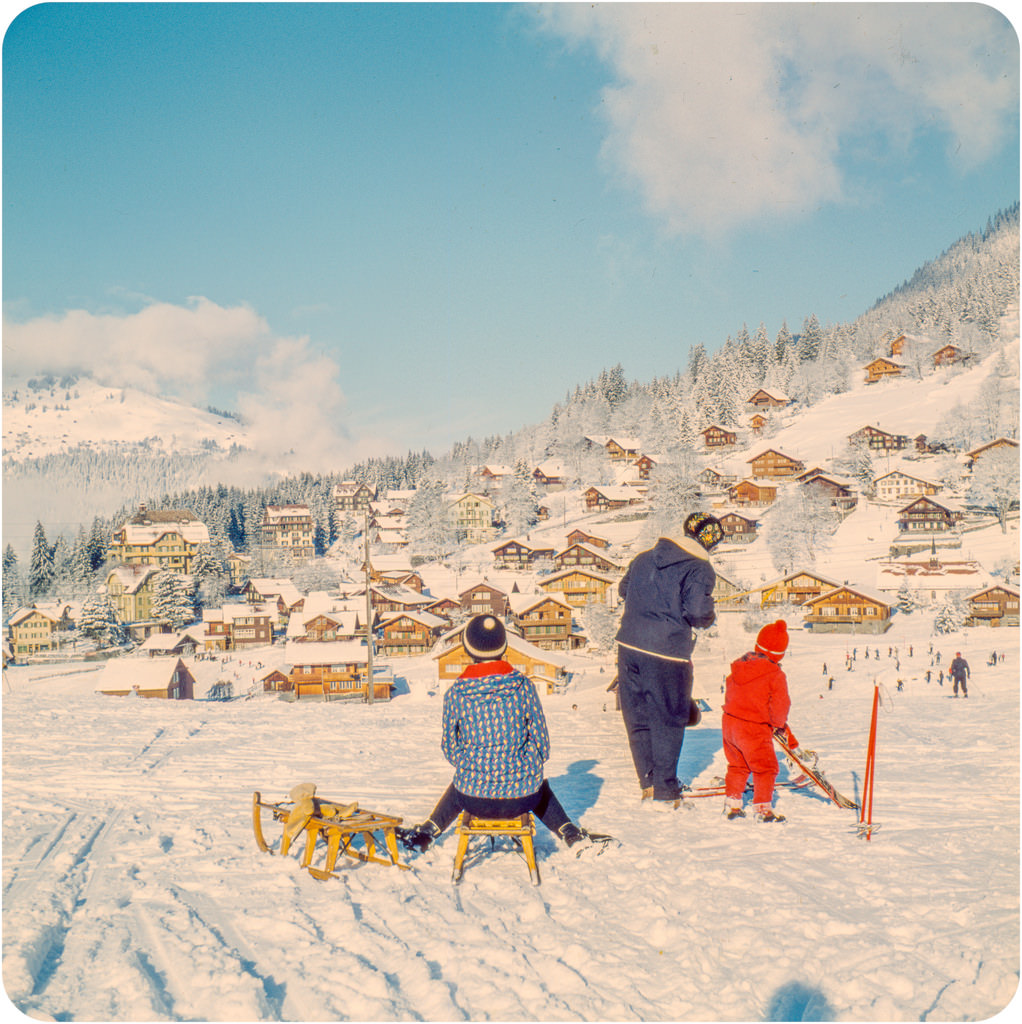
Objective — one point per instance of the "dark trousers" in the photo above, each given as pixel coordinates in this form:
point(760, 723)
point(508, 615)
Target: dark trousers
point(656, 695)
point(542, 803)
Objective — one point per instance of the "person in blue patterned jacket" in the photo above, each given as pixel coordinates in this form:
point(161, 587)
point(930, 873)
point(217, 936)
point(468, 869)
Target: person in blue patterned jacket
point(495, 736)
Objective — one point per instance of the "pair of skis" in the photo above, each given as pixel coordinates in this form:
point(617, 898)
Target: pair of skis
point(810, 775)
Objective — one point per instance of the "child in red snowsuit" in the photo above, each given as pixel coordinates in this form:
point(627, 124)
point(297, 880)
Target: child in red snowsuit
point(756, 703)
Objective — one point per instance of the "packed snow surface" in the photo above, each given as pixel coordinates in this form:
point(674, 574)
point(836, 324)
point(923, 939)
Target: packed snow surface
point(134, 890)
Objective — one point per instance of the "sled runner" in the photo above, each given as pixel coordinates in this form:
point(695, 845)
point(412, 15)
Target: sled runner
point(339, 824)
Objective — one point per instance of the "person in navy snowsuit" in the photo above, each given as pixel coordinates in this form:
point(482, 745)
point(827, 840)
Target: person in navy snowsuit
point(668, 591)
point(495, 735)
point(959, 673)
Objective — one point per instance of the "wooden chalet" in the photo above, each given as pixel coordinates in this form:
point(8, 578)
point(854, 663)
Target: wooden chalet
point(484, 599)
point(345, 624)
point(749, 493)
point(996, 605)
point(159, 678)
point(445, 607)
point(926, 514)
point(898, 345)
point(492, 476)
point(739, 529)
point(545, 621)
point(727, 593)
point(881, 369)
point(336, 670)
point(838, 492)
point(795, 589)
point(848, 609)
point(621, 448)
point(715, 479)
point(897, 485)
point(168, 645)
point(277, 680)
point(773, 464)
point(606, 497)
point(1001, 443)
point(644, 466)
point(580, 586)
point(879, 440)
point(410, 633)
point(715, 437)
point(546, 669)
point(764, 399)
point(238, 626)
point(353, 496)
point(391, 598)
point(552, 475)
point(758, 423)
point(948, 355)
point(584, 555)
point(517, 554)
point(578, 536)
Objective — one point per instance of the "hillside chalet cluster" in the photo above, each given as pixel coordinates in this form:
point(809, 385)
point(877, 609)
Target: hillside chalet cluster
point(322, 637)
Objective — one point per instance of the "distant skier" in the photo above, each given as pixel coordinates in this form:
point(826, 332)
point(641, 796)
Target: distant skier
point(959, 672)
point(757, 702)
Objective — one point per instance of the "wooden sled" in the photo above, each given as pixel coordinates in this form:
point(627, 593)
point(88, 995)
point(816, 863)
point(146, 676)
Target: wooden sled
point(519, 830)
point(339, 824)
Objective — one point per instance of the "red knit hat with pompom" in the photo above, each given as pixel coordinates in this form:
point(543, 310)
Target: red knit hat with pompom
point(773, 640)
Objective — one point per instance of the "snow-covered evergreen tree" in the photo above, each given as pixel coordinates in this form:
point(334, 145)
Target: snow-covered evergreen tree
point(429, 527)
point(40, 567)
point(97, 620)
point(673, 494)
point(950, 615)
point(173, 598)
point(12, 588)
point(517, 504)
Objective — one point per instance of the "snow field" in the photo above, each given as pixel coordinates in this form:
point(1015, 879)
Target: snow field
point(133, 888)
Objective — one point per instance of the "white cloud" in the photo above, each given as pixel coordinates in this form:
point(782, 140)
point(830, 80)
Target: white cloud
point(723, 113)
point(289, 395)
point(177, 351)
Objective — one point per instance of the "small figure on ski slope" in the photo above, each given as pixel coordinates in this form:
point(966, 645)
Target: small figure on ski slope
point(495, 735)
point(667, 592)
point(959, 673)
point(756, 704)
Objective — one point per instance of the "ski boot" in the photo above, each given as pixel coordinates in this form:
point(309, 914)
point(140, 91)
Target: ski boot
point(418, 838)
point(582, 840)
point(733, 809)
point(765, 813)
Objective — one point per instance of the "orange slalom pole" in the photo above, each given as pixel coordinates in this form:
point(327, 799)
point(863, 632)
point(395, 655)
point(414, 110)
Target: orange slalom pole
point(866, 811)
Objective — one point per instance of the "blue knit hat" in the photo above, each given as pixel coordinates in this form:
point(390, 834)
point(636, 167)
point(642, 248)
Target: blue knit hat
point(484, 637)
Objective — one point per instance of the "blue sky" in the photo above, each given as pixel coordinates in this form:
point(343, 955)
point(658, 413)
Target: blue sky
point(375, 227)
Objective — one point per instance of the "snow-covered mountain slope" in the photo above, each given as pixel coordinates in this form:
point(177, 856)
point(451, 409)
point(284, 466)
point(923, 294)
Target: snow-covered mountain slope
point(42, 421)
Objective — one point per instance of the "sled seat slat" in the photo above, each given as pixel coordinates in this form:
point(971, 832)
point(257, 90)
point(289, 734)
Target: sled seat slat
point(519, 830)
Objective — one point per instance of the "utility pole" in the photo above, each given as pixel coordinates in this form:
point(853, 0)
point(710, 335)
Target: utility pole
point(371, 692)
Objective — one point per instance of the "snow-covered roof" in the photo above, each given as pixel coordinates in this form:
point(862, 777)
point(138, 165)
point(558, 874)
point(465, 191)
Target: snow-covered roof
point(427, 619)
point(268, 587)
point(521, 603)
point(145, 673)
point(132, 577)
point(585, 570)
point(166, 641)
point(193, 532)
point(328, 652)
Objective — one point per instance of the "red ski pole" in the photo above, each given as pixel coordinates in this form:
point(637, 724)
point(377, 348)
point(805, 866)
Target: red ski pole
point(866, 811)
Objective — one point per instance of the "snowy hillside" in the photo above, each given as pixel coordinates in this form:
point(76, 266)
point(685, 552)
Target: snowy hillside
point(133, 888)
point(43, 421)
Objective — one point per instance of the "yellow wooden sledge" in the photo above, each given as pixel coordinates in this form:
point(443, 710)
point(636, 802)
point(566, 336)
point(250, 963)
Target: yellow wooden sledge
point(339, 824)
